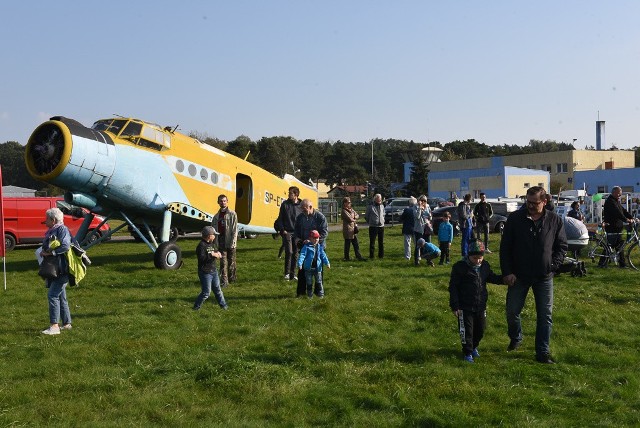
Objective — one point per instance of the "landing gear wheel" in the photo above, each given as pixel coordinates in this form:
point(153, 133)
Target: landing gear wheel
point(173, 234)
point(168, 256)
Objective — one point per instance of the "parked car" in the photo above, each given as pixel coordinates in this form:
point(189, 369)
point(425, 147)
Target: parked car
point(393, 209)
point(496, 222)
point(436, 202)
point(23, 219)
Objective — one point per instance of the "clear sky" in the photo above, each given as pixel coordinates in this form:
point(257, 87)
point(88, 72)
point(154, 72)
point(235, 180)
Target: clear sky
point(502, 72)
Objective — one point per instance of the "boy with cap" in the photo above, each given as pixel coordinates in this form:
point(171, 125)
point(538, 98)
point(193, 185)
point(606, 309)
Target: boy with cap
point(468, 297)
point(312, 258)
point(207, 255)
point(426, 250)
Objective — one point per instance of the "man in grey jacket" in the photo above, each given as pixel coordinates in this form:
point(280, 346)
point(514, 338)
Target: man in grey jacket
point(226, 223)
point(375, 218)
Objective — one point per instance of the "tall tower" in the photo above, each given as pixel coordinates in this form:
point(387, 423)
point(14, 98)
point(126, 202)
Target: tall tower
point(600, 140)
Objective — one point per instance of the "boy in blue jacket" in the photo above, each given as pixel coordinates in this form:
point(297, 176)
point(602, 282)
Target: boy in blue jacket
point(445, 237)
point(427, 250)
point(312, 258)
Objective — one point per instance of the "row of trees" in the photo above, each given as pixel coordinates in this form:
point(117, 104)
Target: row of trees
point(378, 162)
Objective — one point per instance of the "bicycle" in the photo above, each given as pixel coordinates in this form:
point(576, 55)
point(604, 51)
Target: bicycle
point(601, 248)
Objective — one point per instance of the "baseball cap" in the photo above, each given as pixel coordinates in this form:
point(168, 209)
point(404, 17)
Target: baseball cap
point(314, 234)
point(209, 230)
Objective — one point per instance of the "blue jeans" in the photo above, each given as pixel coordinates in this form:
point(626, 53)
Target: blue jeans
point(543, 294)
point(310, 274)
point(465, 238)
point(58, 305)
point(209, 281)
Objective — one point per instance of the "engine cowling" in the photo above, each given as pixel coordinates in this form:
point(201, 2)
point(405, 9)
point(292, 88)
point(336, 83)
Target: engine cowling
point(69, 155)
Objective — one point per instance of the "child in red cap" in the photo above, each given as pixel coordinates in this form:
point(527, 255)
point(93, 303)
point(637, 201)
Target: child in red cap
point(312, 258)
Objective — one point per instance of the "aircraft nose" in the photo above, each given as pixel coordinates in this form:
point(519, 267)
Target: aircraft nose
point(46, 149)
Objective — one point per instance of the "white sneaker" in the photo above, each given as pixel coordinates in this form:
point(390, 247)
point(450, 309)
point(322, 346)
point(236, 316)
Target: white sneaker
point(286, 277)
point(295, 278)
point(488, 251)
point(51, 330)
point(66, 327)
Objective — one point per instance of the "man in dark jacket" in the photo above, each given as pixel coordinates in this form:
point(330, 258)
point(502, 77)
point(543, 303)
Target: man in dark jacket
point(285, 225)
point(533, 247)
point(408, 219)
point(615, 216)
point(482, 212)
point(310, 219)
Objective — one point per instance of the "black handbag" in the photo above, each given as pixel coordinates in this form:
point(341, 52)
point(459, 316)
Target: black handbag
point(49, 267)
point(355, 229)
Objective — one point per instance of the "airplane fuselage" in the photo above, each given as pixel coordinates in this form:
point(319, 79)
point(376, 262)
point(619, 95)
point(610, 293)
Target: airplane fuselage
point(136, 167)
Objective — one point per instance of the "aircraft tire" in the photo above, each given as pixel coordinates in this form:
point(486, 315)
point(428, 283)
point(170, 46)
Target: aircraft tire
point(173, 234)
point(168, 256)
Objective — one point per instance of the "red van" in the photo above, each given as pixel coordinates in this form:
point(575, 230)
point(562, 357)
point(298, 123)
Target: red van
point(23, 219)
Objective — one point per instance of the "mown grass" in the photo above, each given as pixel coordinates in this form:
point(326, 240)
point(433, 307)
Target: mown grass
point(380, 350)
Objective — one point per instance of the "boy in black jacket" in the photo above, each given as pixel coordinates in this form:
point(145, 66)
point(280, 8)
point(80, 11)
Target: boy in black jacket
point(468, 297)
point(207, 253)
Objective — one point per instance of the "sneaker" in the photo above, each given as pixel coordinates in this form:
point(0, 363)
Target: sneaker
point(545, 359)
point(468, 358)
point(51, 331)
point(488, 251)
point(295, 278)
point(196, 308)
point(224, 308)
point(513, 345)
point(66, 327)
point(475, 353)
point(286, 277)
point(431, 264)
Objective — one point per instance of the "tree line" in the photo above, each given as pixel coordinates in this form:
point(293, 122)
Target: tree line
point(377, 163)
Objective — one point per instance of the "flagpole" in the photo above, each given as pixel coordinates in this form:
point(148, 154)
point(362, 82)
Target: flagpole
point(3, 249)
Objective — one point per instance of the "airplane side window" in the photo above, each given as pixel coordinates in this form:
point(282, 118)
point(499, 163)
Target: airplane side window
point(149, 144)
point(214, 177)
point(204, 174)
point(192, 170)
point(179, 165)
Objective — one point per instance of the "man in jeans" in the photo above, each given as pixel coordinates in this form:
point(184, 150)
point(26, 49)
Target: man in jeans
point(226, 223)
point(482, 212)
point(285, 225)
point(375, 218)
point(533, 247)
point(615, 216)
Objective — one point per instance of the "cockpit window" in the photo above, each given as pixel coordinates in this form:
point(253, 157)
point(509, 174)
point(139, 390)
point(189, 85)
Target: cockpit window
point(112, 125)
point(132, 129)
point(142, 134)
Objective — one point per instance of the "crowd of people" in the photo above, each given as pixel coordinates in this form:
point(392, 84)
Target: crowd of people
point(532, 248)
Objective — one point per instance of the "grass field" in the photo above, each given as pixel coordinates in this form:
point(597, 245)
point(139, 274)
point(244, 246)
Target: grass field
point(380, 350)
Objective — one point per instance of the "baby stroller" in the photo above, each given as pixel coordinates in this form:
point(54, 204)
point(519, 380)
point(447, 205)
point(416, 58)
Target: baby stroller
point(577, 240)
